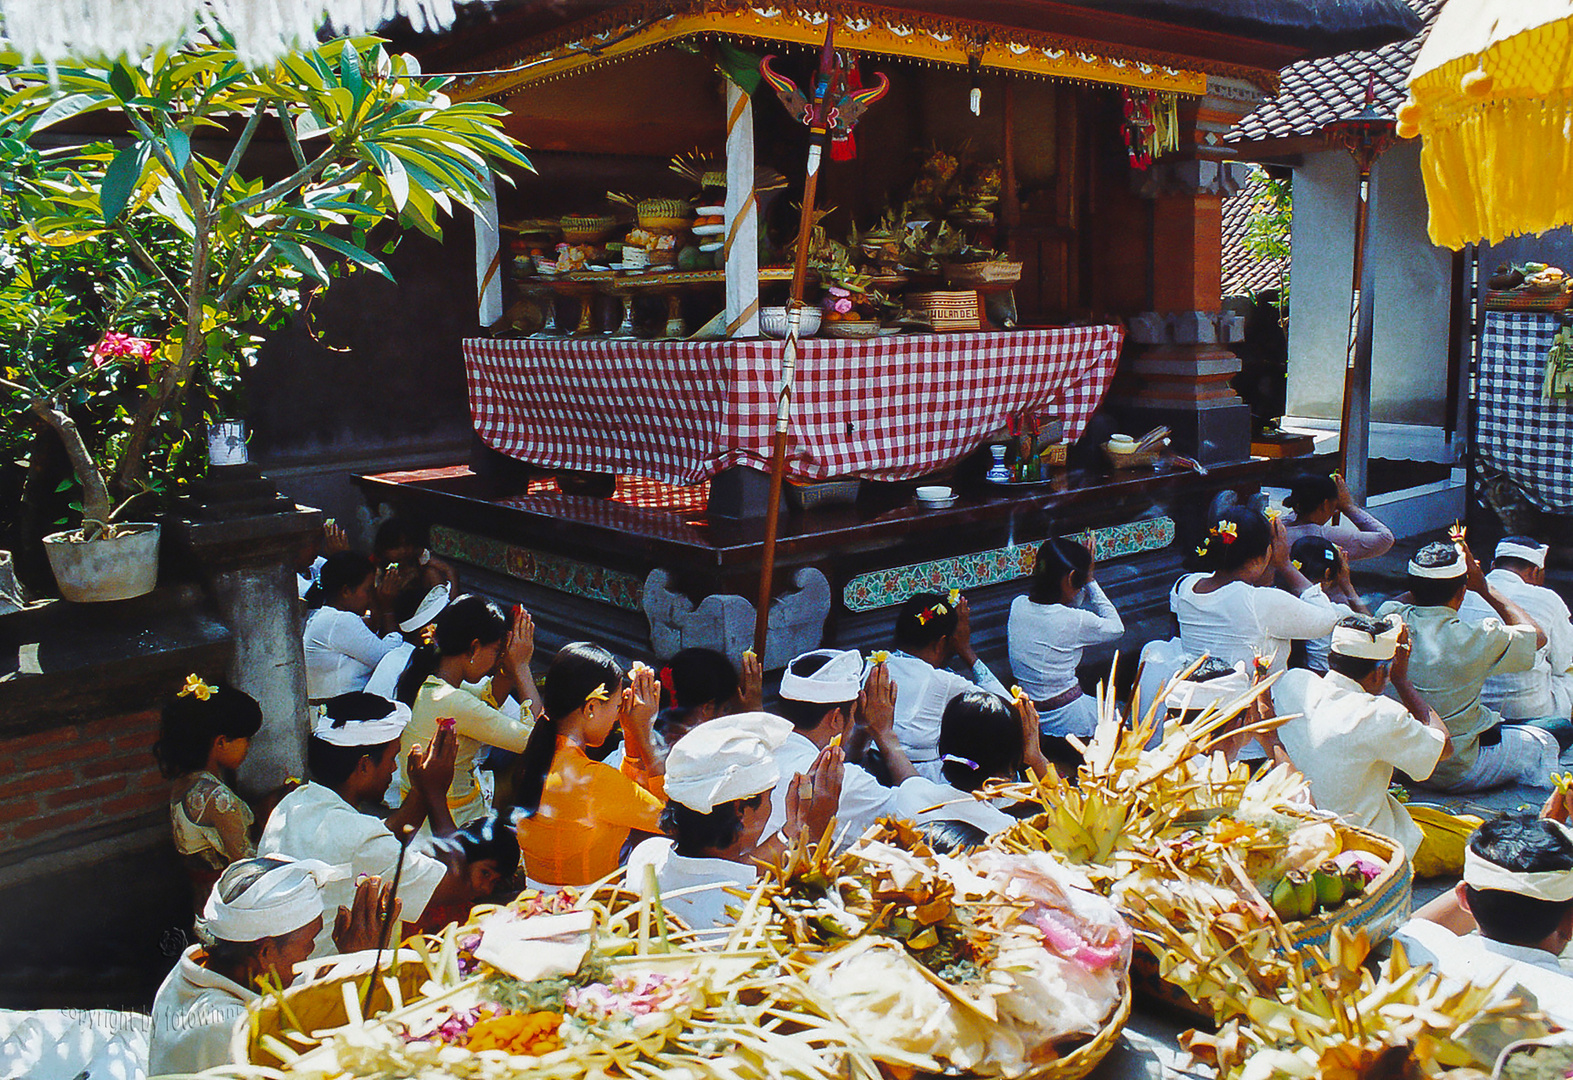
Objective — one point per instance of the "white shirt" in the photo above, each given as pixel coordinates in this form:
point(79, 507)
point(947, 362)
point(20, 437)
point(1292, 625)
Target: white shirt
point(922, 692)
point(384, 679)
point(1316, 649)
point(1347, 743)
point(1547, 688)
point(1479, 960)
point(864, 800)
point(1046, 640)
point(1235, 622)
point(700, 910)
point(195, 1014)
point(341, 652)
point(313, 822)
point(305, 579)
point(922, 800)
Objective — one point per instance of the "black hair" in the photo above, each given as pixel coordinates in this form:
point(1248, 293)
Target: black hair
point(1056, 558)
point(695, 834)
point(461, 624)
point(808, 715)
point(189, 726)
point(1513, 562)
point(343, 570)
point(331, 764)
point(399, 532)
point(491, 837)
point(979, 738)
point(1523, 844)
point(698, 677)
point(953, 837)
point(1435, 592)
point(1315, 556)
point(575, 672)
point(923, 620)
point(1308, 492)
point(1239, 535)
point(1211, 668)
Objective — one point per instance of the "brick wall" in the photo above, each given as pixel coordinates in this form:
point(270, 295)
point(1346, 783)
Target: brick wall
point(77, 778)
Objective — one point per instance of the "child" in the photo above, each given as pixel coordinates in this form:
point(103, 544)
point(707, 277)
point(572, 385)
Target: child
point(1324, 566)
point(930, 629)
point(204, 735)
point(474, 646)
point(579, 813)
point(491, 857)
point(1062, 613)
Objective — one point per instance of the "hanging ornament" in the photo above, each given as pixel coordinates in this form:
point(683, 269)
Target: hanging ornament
point(843, 93)
point(975, 96)
point(1152, 125)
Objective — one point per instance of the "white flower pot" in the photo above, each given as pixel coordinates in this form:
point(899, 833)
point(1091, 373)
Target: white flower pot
point(227, 443)
point(117, 568)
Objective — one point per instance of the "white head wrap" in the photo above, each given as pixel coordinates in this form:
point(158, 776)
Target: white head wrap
point(1553, 885)
point(1189, 694)
point(280, 901)
point(1509, 549)
point(732, 757)
point(431, 606)
point(1352, 641)
point(1455, 569)
point(361, 732)
point(839, 679)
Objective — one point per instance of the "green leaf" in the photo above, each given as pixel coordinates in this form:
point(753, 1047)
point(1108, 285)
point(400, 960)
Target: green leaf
point(179, 146)
point(359, 256)
point(394, 173)
point(65, 485)
point(121, 82)
point(349, 69)
point(70, 106)
point(119, 180)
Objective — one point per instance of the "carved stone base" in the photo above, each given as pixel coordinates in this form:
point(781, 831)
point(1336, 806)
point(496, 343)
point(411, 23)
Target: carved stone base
point(725, 623)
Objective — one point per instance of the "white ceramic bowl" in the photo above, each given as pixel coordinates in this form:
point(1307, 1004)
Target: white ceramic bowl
point(773, 322)
point(937, 504)
point(935, 493)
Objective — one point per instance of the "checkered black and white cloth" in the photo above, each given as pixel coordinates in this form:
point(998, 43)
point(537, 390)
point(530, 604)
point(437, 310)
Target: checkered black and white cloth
point(883, 409)
point(1520, 432)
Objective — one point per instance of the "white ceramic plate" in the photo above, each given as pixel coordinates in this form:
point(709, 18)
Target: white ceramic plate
point(706, 211)
point(713, 246)
point(709, 230)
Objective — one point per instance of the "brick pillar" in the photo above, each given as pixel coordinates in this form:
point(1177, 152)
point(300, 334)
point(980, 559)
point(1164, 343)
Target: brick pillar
point(1180, 372)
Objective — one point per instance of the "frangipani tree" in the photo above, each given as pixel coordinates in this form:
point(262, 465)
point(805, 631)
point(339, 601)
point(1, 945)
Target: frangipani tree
point(368, 140)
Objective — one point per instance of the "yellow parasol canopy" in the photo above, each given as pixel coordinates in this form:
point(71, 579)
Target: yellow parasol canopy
point(1491, 96)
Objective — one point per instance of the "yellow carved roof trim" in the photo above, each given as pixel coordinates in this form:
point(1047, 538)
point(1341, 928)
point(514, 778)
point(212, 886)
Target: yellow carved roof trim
point(870, 30)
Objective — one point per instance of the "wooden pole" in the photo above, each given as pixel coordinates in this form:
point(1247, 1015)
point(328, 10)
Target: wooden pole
point(1357, 360)
point(805, 230)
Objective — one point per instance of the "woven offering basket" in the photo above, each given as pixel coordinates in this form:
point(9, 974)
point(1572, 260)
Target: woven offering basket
point(321, 1004)
point(1378, 911)
point(998, 274)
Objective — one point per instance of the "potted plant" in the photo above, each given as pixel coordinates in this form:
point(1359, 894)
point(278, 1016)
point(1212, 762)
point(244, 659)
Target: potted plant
point(369, 141)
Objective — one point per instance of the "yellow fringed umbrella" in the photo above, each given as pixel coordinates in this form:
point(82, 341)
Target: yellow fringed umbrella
point(1491, 96)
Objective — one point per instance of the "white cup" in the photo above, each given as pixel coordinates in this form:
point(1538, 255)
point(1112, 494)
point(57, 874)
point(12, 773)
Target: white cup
point(934, 493)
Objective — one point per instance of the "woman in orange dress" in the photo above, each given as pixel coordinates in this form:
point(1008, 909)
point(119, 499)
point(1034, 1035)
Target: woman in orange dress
point(578, 813)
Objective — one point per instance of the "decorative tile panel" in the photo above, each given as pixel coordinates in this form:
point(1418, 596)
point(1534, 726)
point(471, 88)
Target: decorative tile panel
point(549, 571)
point(886, 588)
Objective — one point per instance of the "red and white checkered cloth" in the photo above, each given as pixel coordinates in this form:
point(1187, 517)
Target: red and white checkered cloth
point(883, 408)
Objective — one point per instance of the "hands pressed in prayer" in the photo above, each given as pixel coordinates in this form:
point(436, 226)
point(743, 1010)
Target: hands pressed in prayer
point(359, 926)
point(812, 800)
point(751, 683)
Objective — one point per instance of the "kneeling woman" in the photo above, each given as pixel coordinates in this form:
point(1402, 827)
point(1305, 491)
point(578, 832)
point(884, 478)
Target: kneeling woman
point(719, 780)
point(578, 813)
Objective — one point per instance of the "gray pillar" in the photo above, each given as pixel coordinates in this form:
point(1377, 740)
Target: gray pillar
point(245, 537)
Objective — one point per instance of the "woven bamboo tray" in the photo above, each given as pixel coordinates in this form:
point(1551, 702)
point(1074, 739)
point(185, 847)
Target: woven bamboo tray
point(1074, 1065)
point(1379, 911)
point(320, 1004)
